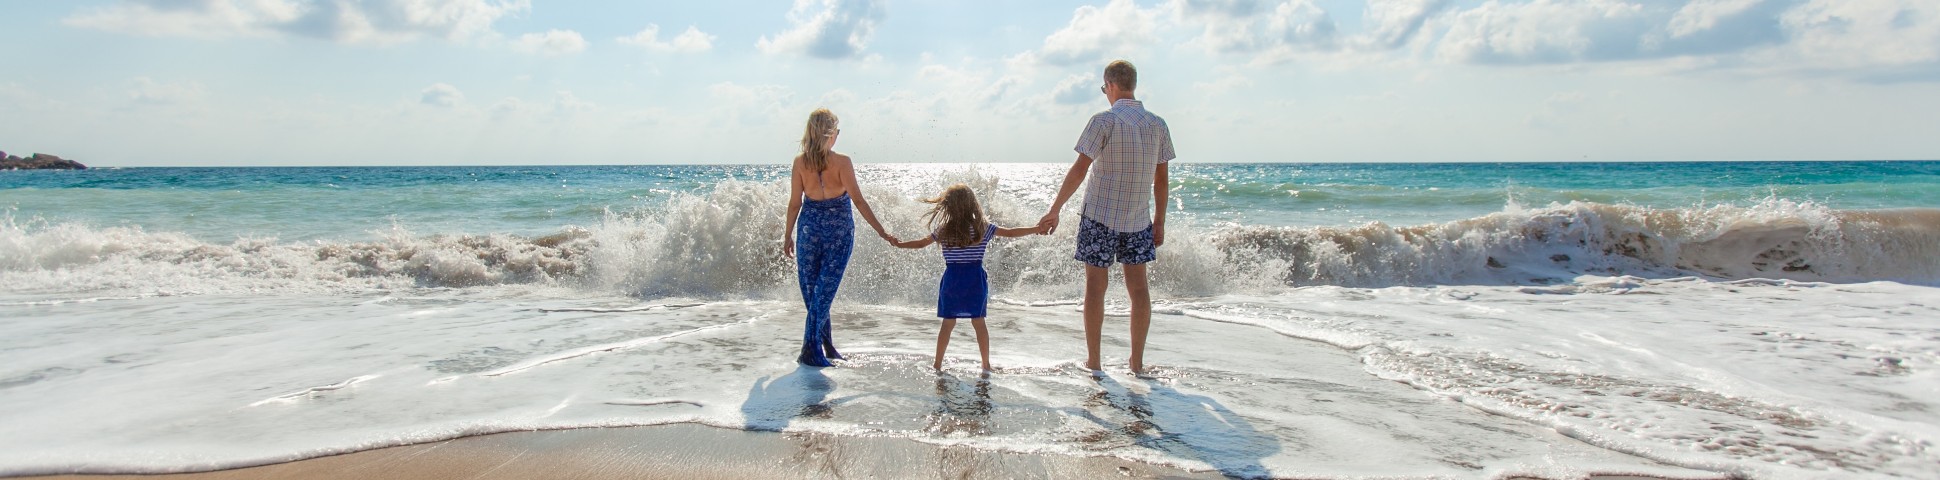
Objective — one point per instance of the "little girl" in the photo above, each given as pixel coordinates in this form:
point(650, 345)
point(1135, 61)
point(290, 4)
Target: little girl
point(959, 228)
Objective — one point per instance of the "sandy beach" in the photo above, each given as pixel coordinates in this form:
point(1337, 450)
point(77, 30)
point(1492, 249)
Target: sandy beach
point(681, 451)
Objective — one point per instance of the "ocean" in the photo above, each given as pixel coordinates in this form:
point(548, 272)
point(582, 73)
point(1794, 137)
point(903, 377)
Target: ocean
point(1676, 320)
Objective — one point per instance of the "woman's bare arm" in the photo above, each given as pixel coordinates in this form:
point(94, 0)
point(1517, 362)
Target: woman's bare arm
point(855, 193)
point(794, 207)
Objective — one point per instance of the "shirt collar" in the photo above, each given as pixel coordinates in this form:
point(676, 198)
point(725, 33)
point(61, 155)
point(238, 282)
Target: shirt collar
point(1128, 102)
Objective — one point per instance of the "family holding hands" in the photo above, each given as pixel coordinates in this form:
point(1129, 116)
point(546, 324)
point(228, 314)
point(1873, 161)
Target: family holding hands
point(1122, 152)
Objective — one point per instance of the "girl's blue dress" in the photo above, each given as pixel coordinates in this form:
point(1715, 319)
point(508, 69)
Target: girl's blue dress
point(965, 290)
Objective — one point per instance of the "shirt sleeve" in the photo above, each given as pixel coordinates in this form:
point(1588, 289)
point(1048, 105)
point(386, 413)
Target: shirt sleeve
point(1091, 143)
point(1165, 144)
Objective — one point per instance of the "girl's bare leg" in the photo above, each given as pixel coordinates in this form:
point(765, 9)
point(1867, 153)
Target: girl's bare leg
point(943, 341)
point(983, 342)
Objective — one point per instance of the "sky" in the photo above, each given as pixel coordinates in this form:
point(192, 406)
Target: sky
point(546, 82)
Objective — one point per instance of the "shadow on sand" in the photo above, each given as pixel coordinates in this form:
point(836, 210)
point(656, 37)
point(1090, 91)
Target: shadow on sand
point(1182, 425)
point(773, 404)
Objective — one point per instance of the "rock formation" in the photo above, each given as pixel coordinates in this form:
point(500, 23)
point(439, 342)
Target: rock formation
point(39, 161)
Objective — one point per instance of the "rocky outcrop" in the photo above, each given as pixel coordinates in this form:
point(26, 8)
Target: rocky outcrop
point(39, 161)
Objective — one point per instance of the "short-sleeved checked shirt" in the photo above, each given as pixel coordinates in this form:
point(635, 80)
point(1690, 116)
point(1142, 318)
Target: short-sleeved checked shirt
point(1126, 144)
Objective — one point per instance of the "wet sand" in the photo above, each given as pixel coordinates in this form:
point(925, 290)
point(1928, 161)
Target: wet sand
point(680, 451)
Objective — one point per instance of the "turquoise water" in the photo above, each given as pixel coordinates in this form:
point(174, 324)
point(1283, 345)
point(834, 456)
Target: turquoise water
point(350, 203)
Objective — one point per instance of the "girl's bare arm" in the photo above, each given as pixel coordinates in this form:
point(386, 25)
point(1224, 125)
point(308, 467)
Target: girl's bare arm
point(1019, 232)
point(917, 243)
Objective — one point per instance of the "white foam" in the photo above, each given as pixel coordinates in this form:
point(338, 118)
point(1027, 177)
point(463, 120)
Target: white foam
point(1773, 381)
point(725, 245)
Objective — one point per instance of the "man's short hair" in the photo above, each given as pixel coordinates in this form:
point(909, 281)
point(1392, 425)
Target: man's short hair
point(1122, 74)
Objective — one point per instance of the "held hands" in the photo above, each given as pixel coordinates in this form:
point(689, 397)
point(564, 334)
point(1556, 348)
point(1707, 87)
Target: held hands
point(1048, 224)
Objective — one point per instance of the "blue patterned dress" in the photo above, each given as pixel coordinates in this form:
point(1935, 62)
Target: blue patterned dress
point(824, 237)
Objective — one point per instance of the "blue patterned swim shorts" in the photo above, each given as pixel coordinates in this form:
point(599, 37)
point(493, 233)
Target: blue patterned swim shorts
point(1099, 246)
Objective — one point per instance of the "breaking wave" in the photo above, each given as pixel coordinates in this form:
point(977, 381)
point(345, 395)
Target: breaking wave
point(726, 244)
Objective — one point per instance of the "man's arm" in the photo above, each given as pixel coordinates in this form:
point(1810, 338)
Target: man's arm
point(1072, 179)
point(1159, 191)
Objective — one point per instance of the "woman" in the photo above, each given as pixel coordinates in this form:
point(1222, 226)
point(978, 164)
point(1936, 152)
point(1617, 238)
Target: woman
point(820, 186)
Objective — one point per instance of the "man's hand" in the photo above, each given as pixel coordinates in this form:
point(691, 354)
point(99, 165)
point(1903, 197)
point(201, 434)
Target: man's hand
point(1158, 234)
point(1048, 224)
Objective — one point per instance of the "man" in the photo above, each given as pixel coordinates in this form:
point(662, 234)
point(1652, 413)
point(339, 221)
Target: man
point(1124, 151)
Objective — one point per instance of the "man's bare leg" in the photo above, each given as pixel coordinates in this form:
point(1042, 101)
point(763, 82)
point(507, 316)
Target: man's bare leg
point(1096, 279)
point(1141, 298)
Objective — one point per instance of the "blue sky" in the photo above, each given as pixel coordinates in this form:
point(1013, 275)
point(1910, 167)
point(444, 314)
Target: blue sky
point(450, 82)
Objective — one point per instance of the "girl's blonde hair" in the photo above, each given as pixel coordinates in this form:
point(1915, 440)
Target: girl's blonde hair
point(815, 138)
point(957, 218)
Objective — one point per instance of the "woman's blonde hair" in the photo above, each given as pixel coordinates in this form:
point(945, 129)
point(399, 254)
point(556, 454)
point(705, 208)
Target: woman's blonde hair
point(815, 139)
point(957, 218)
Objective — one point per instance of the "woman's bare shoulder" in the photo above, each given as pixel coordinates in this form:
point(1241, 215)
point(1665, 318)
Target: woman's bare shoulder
point(837, 160)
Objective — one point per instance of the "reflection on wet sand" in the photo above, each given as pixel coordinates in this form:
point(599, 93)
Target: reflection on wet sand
point(962, 408)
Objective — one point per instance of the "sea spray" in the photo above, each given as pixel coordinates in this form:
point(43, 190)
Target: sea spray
point(726, 243)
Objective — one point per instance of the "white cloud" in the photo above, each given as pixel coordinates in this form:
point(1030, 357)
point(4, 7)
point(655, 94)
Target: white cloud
point(753, 104)
point(1230, 79)
point(1858, 38)
point(147, 91)
point(441, 95)
point(1228, 25)
point(1850, 33)
point(691, 41)
point(355, 22)
point(565, 103)
point(1545, 31)
point(1252, 26)
point(1392, 23)
point(1078, 89)
point(551, 43)
point(1302, 24)
point(1095, 33)
point(564, 106)
point(830, 29)
point(1701, 15)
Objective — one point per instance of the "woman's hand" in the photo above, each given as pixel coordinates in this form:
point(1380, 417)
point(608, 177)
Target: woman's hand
point(788, 246)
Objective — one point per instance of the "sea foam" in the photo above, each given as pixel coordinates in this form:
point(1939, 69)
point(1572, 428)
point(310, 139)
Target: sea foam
point(726, 244)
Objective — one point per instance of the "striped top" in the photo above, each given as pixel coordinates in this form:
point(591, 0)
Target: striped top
point(1126, 145)
point(970, 254)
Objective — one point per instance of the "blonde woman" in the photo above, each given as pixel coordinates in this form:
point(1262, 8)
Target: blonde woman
point(821, 185)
